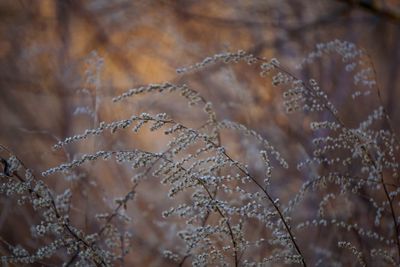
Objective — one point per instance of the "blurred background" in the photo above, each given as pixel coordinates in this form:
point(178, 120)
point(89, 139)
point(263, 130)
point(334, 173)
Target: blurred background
point(62, 61)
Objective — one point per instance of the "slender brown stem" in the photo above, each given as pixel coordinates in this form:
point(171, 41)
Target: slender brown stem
point(367, 153)
point(53, 206)
point(210, 195)
point(282, 218)
point(287, 228)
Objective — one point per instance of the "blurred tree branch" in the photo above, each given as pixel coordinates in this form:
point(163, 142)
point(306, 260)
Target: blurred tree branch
point(372, 7)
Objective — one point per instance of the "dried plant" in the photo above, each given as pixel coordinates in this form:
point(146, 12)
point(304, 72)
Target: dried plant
point(228, 212)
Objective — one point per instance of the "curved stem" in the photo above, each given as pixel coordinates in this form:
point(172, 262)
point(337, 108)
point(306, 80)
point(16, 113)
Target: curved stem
point(365, 150)
point(277, 209)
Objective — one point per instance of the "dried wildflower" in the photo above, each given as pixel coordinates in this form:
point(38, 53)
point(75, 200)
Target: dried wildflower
point(221, 210)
